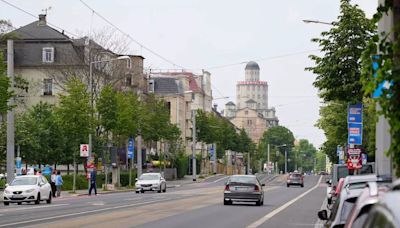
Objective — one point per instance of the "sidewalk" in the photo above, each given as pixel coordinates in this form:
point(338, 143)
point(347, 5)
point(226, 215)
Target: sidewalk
point(170, 184)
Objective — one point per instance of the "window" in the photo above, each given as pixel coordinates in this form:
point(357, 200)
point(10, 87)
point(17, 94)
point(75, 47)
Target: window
point(128, 81)
point(48, 54)
point(48, 87)
point(129, 64)
point(249, 122)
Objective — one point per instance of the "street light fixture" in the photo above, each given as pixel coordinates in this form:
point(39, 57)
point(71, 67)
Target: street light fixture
point(317, 22)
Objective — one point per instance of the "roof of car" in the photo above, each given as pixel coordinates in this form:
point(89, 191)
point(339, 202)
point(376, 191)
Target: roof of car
point(359, 178)
point(151, 173)
point(26, 176)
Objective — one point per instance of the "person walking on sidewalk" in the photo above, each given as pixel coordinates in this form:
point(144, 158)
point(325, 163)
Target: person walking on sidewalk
point(59, 182)
point(53, 182)
point(93, 182)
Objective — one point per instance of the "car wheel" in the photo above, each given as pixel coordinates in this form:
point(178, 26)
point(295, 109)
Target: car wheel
point(287, 185)
point(165, 188)
point(19, 203)
point(37, 201)
point(258, 203)
point(142, 191)
point(159, 190)
point(48, 201)
point(137, 192)
point(6, 203)
point(262, 202)
point(302, 185)
point(227, 202)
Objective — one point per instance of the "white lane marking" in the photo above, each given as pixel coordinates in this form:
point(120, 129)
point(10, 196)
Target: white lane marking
point(79, 213)
point(219, 179)
point(319, 223)
point(29, 208)
point(281, 208)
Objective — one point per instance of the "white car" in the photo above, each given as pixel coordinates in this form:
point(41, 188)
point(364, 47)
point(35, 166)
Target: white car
point(27, 188)
point(150, 182)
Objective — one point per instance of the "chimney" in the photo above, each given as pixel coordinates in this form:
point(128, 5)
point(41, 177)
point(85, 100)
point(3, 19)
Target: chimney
point(42, 20)
point(215, 107)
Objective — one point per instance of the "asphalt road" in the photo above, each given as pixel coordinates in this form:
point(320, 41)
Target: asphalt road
point(192, 205)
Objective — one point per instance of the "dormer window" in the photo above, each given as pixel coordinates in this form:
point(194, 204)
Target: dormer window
point(48, 55)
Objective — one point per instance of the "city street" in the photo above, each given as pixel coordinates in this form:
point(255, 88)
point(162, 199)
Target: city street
point(192, 205)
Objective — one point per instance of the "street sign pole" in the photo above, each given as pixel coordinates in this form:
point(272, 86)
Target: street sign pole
point(10, 115)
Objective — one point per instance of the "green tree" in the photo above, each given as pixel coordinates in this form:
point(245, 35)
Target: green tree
point(40, 136)
point(339, 76)
point(74, 113)
point(387, 45)
point(276, 137)
point(304, 155)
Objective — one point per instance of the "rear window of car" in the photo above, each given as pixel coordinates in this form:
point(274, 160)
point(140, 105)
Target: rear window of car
point(295, 175)
point(243, 179)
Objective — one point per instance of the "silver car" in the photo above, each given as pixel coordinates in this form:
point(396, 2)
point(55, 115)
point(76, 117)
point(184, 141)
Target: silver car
point(243, 188)
point(150, 182)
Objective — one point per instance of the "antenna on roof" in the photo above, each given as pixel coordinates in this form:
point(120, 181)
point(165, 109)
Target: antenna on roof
point(46, 10)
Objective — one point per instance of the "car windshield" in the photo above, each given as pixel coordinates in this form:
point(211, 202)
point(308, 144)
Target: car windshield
point(242, 179)
point(24, 181)
point(149, 177)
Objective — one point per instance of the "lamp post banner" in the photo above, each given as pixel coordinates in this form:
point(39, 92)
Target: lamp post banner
point(354, 114)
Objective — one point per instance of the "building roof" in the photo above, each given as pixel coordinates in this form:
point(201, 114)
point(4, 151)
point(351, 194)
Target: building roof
point(164, 85)
point(34, 31)
point(252, 66)
point(251, 101)
point(230, 103)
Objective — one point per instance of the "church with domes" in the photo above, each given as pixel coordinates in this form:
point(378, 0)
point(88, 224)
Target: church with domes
point(251, 111)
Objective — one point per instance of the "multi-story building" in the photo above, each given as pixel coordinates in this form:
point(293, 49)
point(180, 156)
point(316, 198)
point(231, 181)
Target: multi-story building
point(251, 111)
point(184, 92)
point(47, 58)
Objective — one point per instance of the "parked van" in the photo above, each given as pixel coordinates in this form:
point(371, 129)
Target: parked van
point(341, 171)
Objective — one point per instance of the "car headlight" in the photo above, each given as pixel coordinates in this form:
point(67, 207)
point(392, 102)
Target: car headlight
point(29, 190)
point(7, 192)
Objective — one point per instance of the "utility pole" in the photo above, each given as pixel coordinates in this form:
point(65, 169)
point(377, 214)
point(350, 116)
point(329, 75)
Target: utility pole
point(268, 159)
point(215, 158)
point(285, 160)
point(10, 114)
point(194, 144)
point(139, 155)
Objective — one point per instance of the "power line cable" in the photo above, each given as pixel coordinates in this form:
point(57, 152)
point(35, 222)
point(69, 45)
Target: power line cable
point(129, 37)
point(31, 14)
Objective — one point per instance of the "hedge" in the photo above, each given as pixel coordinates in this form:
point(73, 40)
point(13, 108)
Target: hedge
point(2, 183)
point(82, 182)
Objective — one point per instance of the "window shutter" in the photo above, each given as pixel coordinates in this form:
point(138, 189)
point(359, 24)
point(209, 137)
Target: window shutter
point(43, 55)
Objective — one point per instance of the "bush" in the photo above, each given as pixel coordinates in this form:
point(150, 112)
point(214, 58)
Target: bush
point(182, 165)
point(3, 183)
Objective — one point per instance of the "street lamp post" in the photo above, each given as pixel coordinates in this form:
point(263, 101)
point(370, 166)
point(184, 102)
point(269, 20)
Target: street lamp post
point(91, 94)
point(284, 145)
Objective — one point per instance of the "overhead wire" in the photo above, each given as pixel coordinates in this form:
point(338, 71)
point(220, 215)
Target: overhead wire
point(130, 37)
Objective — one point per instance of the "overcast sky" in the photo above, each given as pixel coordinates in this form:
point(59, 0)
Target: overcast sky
point(208, 34)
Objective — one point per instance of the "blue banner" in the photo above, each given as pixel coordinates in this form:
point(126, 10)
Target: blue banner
point(354, 113)
point(355, 133)
point(212, 153)
point(131, 144)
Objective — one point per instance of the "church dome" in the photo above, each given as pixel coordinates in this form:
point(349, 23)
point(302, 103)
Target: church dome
point(252, 66)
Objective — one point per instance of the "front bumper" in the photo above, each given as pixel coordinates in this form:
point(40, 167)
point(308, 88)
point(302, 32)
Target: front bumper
point(17, 198)
point(147, 188)
point(243, 196)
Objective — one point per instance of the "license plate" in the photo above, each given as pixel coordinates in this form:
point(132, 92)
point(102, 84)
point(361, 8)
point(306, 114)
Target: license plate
point(241, 189)
point(17, 196)
point(146, 188)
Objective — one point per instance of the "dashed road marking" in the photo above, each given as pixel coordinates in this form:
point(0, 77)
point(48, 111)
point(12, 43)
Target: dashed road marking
point(30, 208)
point(281, 208)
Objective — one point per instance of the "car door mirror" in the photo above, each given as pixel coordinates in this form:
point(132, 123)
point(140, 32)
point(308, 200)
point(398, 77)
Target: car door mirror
point(136, 179)
point(262, 184)
point(323, 215)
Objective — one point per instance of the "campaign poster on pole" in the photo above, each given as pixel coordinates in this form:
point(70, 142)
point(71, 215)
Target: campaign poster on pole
point(84, 150)
point(131, 144)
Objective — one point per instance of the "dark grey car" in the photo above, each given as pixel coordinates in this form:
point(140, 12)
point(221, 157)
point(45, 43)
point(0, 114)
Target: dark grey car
point(243, 188)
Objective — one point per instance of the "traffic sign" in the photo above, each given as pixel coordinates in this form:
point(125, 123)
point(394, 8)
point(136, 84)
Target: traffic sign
point(355, 133)
point(354, 114)
point(84, 150)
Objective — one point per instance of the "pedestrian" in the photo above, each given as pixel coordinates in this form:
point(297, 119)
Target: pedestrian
point(59, 182)
point(53, 182)
point(93, 182)
point(23, 171)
